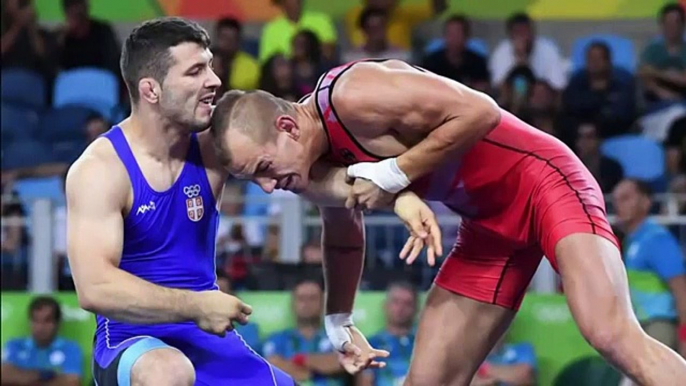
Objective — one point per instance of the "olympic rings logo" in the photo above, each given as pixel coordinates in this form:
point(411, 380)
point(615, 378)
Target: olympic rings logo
point(192, 190)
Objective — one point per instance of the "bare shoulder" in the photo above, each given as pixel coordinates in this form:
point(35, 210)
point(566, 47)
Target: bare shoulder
point(215, 171)
point(98, 172)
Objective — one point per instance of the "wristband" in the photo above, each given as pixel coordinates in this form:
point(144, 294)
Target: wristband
point(335, 326)
point(682, 333)
point(46, 375)
point(483, 370)
point(299, 360)
point(385, 174)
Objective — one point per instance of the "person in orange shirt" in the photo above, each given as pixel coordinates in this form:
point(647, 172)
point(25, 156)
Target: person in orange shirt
point(402, 18)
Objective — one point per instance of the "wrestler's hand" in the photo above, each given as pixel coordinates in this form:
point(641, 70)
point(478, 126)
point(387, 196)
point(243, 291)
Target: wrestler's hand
point(365, 195)
point(217, 311)
point(420, 220)
point(358, 354)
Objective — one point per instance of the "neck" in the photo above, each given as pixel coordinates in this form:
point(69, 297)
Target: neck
point(293, 16)
point(398, 330)
point(632, 225)
point(156, 136)
point(312, 129)
point(308, 328)
point(372, 46)
point(454, 53)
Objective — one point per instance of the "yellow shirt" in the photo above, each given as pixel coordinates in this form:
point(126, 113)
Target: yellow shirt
point(278, 34)
point(245, 73)
point(400, 23)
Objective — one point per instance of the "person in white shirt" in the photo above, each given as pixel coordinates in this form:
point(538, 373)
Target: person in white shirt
point(523, 48)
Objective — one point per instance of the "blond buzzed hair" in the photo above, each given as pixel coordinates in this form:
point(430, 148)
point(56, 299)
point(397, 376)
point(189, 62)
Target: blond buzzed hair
point(253, 113)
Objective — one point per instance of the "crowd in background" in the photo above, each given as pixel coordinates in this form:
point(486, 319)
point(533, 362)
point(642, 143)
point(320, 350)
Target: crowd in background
point(526, 73)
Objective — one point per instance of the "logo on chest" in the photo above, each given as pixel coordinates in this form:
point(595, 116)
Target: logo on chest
point(194, 204)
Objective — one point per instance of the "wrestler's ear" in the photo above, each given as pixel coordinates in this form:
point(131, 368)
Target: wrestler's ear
point(149, 90)
point(287, 124)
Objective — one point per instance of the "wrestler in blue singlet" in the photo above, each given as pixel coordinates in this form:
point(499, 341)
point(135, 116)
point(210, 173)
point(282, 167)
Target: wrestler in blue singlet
point(169, 240)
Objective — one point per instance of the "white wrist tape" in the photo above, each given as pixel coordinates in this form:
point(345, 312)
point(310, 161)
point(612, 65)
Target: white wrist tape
point(385, 174)
point(335, 325)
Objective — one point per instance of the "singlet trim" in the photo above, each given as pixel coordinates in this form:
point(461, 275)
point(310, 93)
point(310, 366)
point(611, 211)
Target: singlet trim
point(338, 118)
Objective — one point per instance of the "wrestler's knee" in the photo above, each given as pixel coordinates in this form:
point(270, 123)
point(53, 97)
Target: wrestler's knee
point(163, 367)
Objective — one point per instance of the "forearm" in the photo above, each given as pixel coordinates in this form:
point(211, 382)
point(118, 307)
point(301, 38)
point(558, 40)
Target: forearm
point(65, 380)
point(452, 138)
point(343, 257)
point(14, 376)
point(675, 78)
point(517, 375)
point(125, 297)
point(298, 373)
point(325, 364)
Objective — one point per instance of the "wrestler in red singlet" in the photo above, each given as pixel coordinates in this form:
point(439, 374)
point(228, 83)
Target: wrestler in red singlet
point(519, 191)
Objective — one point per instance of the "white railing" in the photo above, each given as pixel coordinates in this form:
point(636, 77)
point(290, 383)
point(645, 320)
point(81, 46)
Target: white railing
point(293, 224)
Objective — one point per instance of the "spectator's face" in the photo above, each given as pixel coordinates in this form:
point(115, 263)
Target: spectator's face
point(228, 40)
point(312, 254)
point(224, 285)
point(375, 29)
point(43, 325)
point(291, 7)
point(307, 302)
point(673, 26)
point(95, 128)
point(542, 97)
point(455, 37)
point(632, 206)
point(301, 47)
point(282, 71)
point(401, 306)
point(76, 14)
point(186, 94)
point(523, 32)
point(587, 142)
point(597, 61)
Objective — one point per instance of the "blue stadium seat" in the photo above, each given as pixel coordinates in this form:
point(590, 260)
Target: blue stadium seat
point(89, 87)
point(64, 124)
point(622, 49)
point(23, 87)
point(25, 153)
point(17, 122)
point(641, 158)
point(475, 44)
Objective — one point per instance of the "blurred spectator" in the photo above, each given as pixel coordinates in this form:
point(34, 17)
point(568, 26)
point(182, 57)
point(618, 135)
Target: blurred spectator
point(373, 23)
point(675, 148)
point(606, 171)
point(59, 244)
point(523, 48)
point(15, 242)
point(270, 251)
point(396, 338)
point(508, 364)
point(601, 94)
point(655, 265)
point(456, 61)
point(312, 253)
point(541, 109)
point(277, 78)
point(278, 34)
point(308, 62)
point(43, 358)
point(24, 43)
point(229, 235)
point(663, 62)
point(516, 91)
point(402, 19)
point(237, 69)
point(305, 351)
point(250, 333)
point(676, 203)
point(87, 42)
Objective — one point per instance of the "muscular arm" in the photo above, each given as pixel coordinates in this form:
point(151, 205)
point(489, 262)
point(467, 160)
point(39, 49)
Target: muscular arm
point(96, 193)
point(433, 117)
point(11, 375)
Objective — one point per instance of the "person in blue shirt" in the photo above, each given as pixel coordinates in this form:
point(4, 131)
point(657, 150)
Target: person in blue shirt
point(397, 337)
point(42, 358)
point(249, 332)
point(305, 352)
point(508, 364)
point(655, 266)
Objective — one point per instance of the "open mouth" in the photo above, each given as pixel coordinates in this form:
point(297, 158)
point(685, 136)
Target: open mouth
point(207, 100)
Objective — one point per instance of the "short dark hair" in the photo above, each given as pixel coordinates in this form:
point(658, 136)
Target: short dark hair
point(229, 22)
point(66, 4)
point(518, 18)
point(672, 7)
point(602, 46)
point(40, 302)
point(308, 280)
point(642, 187)
point(146, 50)
point(402, 284)
point(462, 20)
point(368, 13)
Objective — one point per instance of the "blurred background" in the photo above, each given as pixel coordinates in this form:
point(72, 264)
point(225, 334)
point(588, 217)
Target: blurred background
point(607, 77)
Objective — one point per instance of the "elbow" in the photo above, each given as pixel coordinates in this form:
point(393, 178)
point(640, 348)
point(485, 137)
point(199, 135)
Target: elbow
point(91, 298)
point(488, 114)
